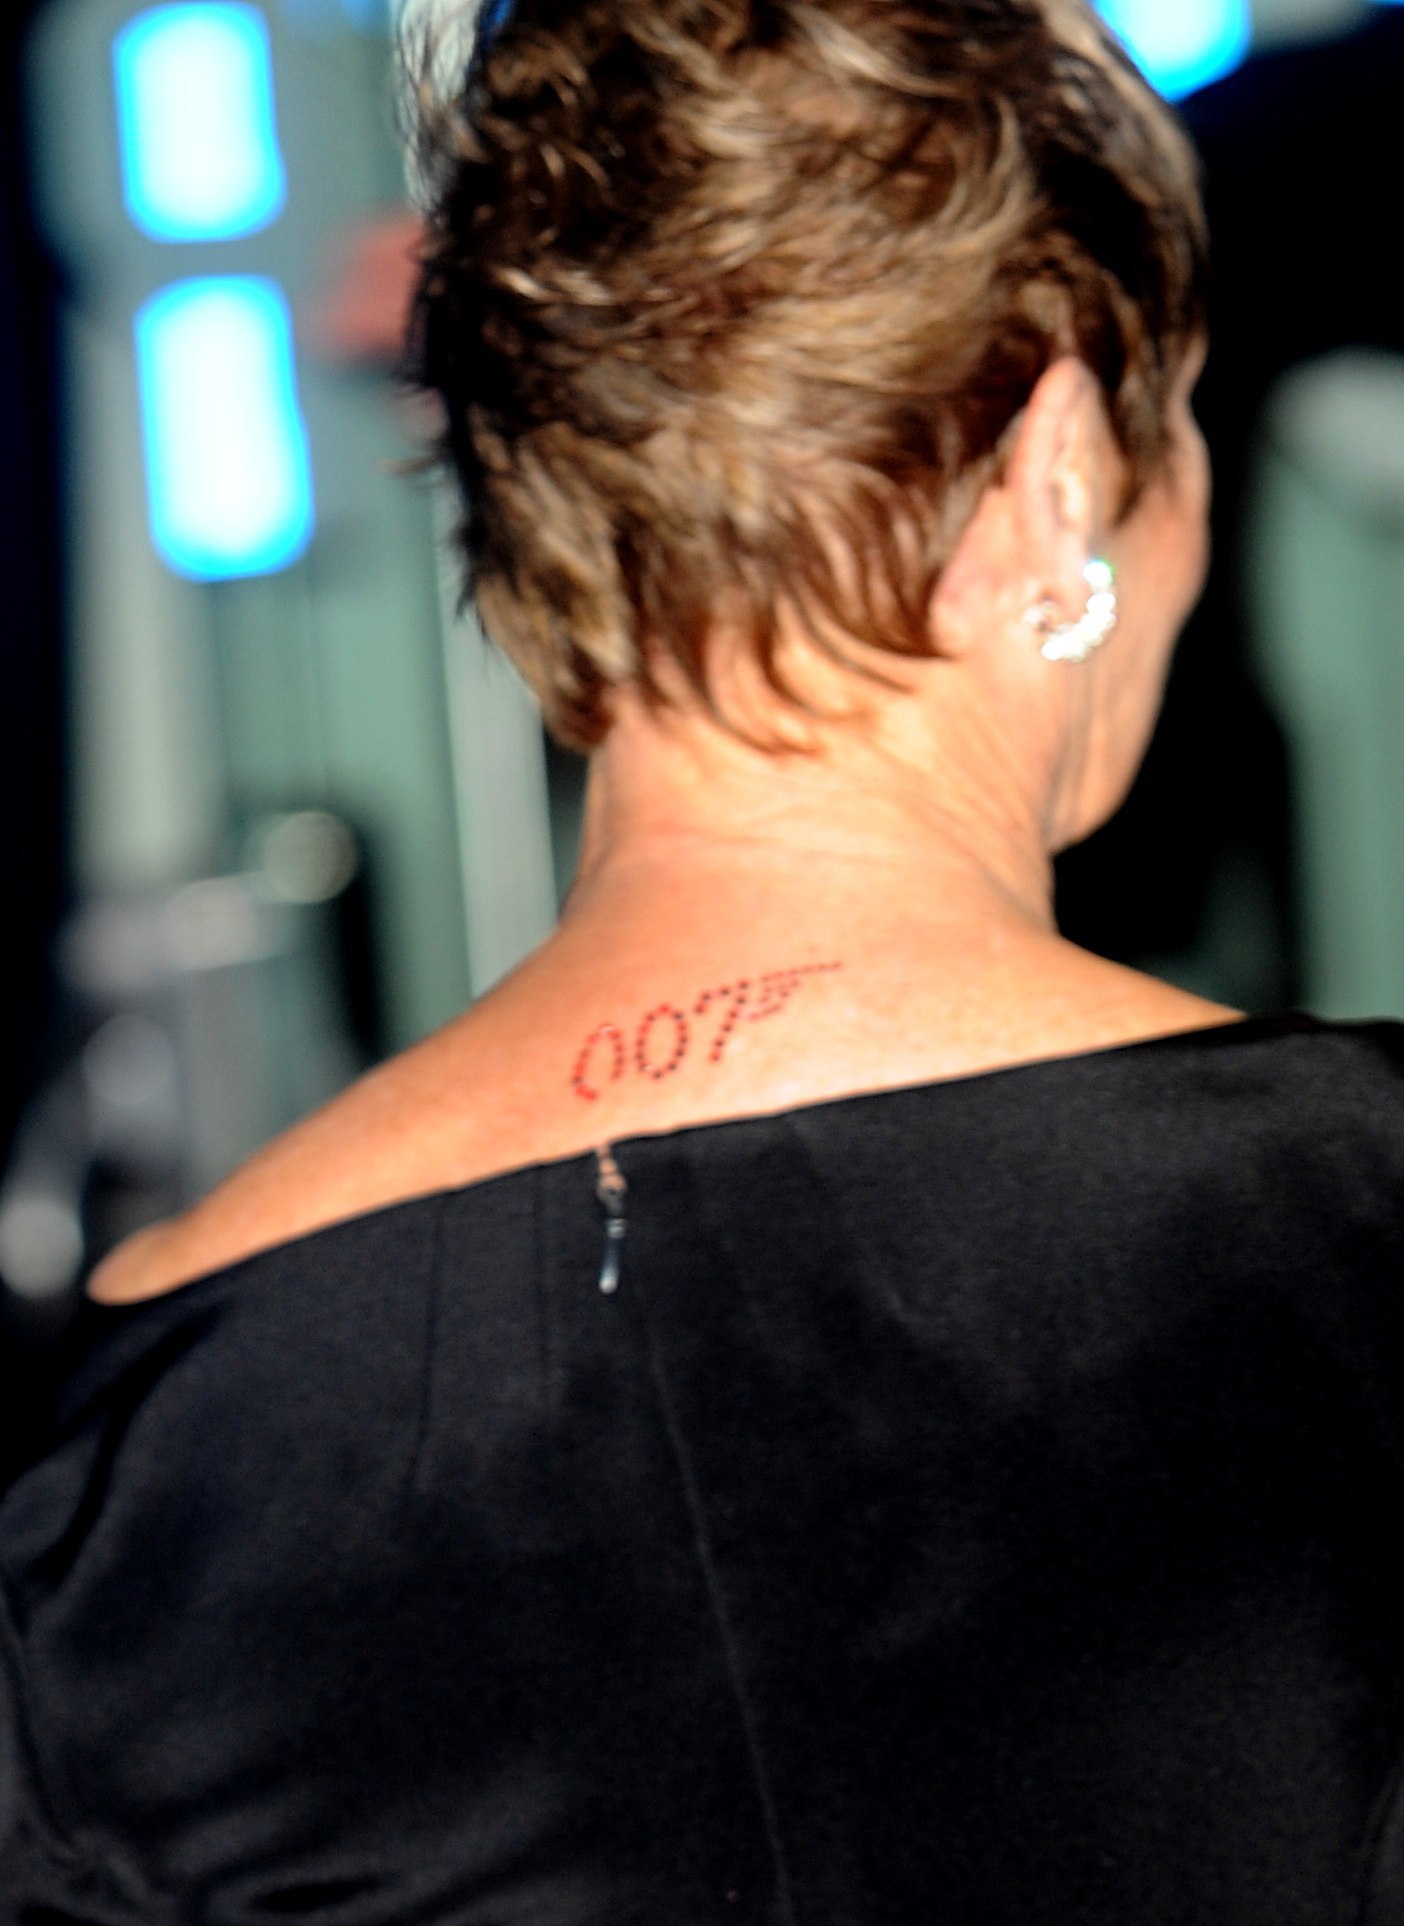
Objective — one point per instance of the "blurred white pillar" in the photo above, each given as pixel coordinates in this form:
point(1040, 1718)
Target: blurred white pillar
point(499, 766)
point(147, 766)
point(1328, 590)
point(1286, 20)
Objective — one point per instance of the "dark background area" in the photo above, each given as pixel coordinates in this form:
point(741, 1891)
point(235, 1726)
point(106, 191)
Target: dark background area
point(1303, 172)
point(31, 624)
point(33, 879)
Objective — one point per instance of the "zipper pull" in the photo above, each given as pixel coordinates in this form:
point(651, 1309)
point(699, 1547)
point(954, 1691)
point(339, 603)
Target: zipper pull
point(611, 1189)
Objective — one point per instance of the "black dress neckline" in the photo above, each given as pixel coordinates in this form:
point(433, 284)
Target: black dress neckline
point(986, 1494)
point(1249, 1029)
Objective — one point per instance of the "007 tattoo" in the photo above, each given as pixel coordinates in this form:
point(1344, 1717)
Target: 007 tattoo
point(664, 1037)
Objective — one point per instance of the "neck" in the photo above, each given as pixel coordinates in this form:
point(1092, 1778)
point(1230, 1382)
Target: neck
point(677, 806)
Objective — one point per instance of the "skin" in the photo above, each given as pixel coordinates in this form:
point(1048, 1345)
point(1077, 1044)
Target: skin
point(911, 843)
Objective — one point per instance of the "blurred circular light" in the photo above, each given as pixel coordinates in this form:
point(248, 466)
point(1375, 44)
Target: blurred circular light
point(41, 1244)
point(129, 1062)
point(308, 857)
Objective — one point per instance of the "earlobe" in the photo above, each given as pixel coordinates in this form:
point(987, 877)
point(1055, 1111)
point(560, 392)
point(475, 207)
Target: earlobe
point(1079, 639)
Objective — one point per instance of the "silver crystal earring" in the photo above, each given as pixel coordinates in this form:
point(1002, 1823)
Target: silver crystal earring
point(1075, 641)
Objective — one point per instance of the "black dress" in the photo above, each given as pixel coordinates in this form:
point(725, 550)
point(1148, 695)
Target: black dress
point(978, 1502)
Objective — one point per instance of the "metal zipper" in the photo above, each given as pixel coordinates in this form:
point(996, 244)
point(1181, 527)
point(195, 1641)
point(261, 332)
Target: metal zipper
point(611, 1189)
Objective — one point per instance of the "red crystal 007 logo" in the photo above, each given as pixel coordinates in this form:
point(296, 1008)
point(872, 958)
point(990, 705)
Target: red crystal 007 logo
point(663, 1038)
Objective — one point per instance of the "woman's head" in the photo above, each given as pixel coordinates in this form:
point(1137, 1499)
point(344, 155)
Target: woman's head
point(732, 305)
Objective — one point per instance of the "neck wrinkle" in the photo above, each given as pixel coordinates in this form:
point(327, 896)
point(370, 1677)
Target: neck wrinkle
point(664, 807)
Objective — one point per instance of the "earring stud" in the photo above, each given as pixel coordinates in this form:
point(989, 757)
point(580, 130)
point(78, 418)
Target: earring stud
point(1076, 641)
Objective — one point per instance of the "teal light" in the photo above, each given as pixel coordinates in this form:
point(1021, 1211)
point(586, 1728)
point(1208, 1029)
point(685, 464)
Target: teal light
point(1182, 44)
point(200, 155)
point(228, 473)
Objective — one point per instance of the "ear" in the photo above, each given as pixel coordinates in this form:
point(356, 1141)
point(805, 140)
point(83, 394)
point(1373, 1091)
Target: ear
point(1061, 477)
point(1034, 529)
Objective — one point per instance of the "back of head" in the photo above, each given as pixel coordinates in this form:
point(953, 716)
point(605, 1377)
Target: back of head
point(732, 304)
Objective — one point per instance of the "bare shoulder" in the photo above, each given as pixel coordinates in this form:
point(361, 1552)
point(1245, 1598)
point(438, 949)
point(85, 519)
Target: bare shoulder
point(1041, 997)
point(468, 1102)
point(1120, 1005)
point(408, 1128)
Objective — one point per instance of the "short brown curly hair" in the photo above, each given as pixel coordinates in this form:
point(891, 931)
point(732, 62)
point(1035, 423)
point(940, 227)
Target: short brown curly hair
point(731, 304)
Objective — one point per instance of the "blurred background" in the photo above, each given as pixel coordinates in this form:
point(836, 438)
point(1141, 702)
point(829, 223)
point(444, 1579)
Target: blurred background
point(274, 809)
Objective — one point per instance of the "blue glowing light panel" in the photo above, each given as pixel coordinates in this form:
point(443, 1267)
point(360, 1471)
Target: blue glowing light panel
point(200, 156)
point(226, 449)
point(1182, 44)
